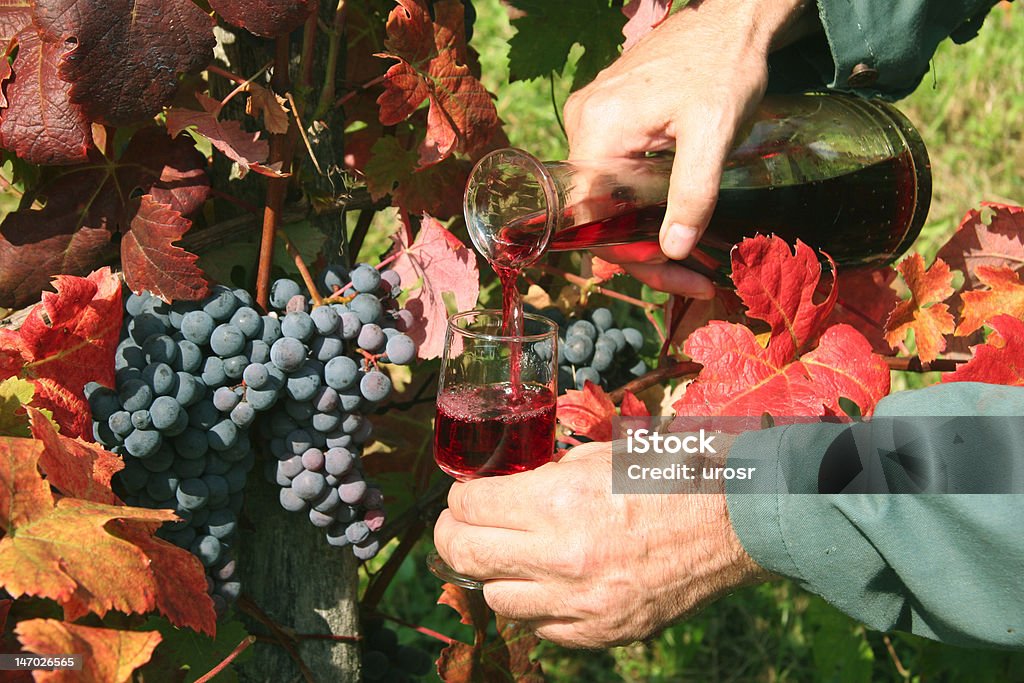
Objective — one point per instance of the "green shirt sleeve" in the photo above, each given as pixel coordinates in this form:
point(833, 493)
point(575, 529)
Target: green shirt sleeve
point(945, 566)
point(874, 47)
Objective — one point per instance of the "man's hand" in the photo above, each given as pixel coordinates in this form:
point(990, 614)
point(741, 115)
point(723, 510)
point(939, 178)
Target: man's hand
point(689, 84)
point(583, 567)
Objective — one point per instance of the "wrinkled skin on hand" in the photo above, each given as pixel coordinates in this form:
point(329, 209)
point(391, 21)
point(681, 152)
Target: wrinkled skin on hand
point(583, 567)
point(689, 85)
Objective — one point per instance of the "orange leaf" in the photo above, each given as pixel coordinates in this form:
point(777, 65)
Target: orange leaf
point(1005, 294)
point(87, 556)
point(108, 655)
point(993, 236)
point(75, 467)
point(588, 412)
point(631, 406)
point(1000, 360)
point(922, 312)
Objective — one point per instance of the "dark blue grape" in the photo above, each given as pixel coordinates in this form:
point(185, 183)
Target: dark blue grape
point(257, 351)
point(602, 319)
point(197, 326)
point(213, 372)
point(366, 550)
point(271, 330)
point(129, 355)
point(161, 378)
point(243, 414)
point(325, 400)
point(248, 321)
point(161, 460)
point(634, 338)
point(255, 376)
point(375, 386)
point(309, 485)
point(639, 369)
point(325, 319)
point(218, 488)
point(401, 349)
point(192, 494)
point(225, 398)
point(142, 443)
point(160, 349)
point(208, 549)
point(135, 395)
point(303, 385)
point(187, 469)
point(144, 326)
point(165, 412)
point(602, 360)
point(222, 435)
point(341, 373)
point(618, 339)
point(319, 519)
point(190, 389)
point(282, 290)
point(338, 461)
point(235, 366)
point(227, 340)
point(190, 356)
point(298, 410)
point(583, 328)
point(261, 399)
point(365, 278)
point(357, 532)
point(391, 277)
point(203, 415)
point(336, 536)
point(162, 485)
point(191, 443)
point(352, 488)
point(367, 308)
point(329, 502)
point(587, 373)
point(290, 501)
point(350, 325)
point(371, 338)
point(288, 354)
point(141, 419)
point(326, 422)
point(578, 349)
point(103, 402)
point(298, 325)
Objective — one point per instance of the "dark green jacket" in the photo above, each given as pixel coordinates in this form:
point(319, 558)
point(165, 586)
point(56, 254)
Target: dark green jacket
point(874, 47)
point(949, 567)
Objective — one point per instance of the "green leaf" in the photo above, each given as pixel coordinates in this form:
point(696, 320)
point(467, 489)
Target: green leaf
point(546, 34)
point(15, 394)
point(235, 263)
point(183, 649)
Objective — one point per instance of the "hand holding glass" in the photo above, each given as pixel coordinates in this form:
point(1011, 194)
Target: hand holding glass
point(495, 403)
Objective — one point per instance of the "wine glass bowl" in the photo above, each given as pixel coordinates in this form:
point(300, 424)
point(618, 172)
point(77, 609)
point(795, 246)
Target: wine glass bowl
point(495, 402)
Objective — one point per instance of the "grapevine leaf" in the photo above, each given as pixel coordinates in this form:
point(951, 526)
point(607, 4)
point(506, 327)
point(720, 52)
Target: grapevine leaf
point(75, 467)
point(150, 259)
point(431, 64)
point(778, 286)
point(438, 262)
point(548, 30)
point(1005, 294)
point(24, 495)
point(87, 204)
point(14, 16)
point(268, 104)
point(15, 394)
point(604, 270)
point(41, 124)
point(685, 315)
point(108, 655)
point(865, 382)
point(147, 43)
point(201, 653)
point(66, 341)
point(922, 312)
point(632, 406)
point(506, 657)
point(244, 148)
point(265, 18)
point(644, 16)
point(436, 189)
point(588, 412)
point(1000, 360)
point(866, 297)
point(992, 236)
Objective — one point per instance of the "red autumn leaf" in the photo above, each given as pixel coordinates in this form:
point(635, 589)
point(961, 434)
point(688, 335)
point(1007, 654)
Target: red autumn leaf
point(268, 104)
point(150, 259)
point(743, 376)
point(1005, 294)
point(605, 270)
point(866, 298)
point(265, 18)
point(1000, 360)
point(631, 406)
point(435, 265)
point(87, 204)
point(148, 44)
point(76, 468)
point(644, 16)
point(244, 148)
point(684, 315)
point(432, 64)
point(436, 189)
point(999, 242)
point(66, 341)
point(778, 287)
point(108, 655)
point(506, 657)
point(922, 312)
point(41, 124)
point(84, 555)
point(588, 412)
point(14, 16)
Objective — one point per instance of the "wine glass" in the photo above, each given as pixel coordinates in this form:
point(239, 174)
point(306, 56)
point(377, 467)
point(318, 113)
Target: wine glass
point(495, 403)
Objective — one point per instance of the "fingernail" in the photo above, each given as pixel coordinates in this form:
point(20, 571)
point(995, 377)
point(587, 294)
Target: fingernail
point(680, 240)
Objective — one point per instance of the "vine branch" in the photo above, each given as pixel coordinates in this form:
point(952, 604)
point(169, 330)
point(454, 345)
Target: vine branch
point(246, 605)
point(239, 649)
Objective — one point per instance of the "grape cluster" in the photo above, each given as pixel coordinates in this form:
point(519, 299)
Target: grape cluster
point(385, 660)
point(594, 348)
point(177, 416)
point(331, 355)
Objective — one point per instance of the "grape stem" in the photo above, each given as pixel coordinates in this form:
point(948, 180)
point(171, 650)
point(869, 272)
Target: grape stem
point(422, 629)
point(224, 73)
point(300, 263)
point(590, 285)
point(246, 605)
point(277, 188)
point(239, 649)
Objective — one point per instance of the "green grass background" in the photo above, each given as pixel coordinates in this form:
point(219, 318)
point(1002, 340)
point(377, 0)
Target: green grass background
point(970, 110)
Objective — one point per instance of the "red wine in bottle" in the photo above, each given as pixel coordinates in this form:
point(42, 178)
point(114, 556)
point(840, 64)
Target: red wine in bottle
point(481, 432)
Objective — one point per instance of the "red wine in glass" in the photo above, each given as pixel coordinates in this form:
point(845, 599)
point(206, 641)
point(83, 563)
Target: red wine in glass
point(486, 431)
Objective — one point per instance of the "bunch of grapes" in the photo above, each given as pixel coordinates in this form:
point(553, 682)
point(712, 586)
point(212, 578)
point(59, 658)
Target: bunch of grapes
point(385, 660)
point(594, 348)
point(174, 418)
point(331, 357)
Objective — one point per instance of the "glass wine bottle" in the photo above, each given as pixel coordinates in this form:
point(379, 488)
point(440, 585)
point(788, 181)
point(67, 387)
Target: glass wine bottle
point(848, 176)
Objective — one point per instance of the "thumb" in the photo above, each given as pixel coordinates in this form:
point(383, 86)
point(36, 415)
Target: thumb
point(703, 140)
